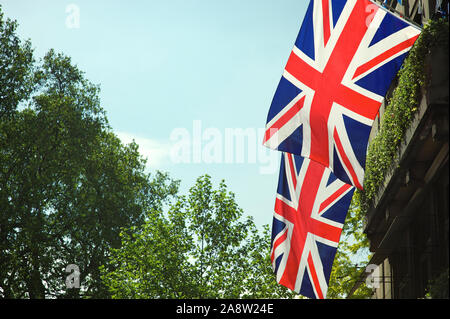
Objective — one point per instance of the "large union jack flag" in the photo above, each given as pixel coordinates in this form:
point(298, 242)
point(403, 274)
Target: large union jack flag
point(310, 210)
point(344, 59)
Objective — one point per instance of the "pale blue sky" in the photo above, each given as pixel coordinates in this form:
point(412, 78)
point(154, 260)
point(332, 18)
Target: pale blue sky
point(163, 64)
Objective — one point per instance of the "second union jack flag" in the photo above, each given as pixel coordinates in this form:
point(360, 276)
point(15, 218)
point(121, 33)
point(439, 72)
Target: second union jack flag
point(310, 211)
point(345, 57)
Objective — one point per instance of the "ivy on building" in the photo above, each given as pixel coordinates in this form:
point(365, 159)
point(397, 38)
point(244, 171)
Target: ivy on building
point(400, 110)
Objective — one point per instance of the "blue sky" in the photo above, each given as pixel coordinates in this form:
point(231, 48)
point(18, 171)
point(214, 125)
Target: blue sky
point(166, 66)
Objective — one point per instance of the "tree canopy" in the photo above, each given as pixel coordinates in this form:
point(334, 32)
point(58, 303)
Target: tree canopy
point(202, 248)
point(67, 183)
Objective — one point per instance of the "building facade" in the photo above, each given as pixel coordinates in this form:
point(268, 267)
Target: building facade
point(407, 223)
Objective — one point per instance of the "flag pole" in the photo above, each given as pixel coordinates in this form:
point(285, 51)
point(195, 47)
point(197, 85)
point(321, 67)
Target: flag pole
point(398, 14)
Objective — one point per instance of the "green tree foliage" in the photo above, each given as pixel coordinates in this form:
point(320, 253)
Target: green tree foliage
point(16, 73)
point(67, 183)
point(202, 248)
point(352, 256)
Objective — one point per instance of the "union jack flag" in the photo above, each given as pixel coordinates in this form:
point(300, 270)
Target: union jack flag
point(310, 211)
point(343, 61)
